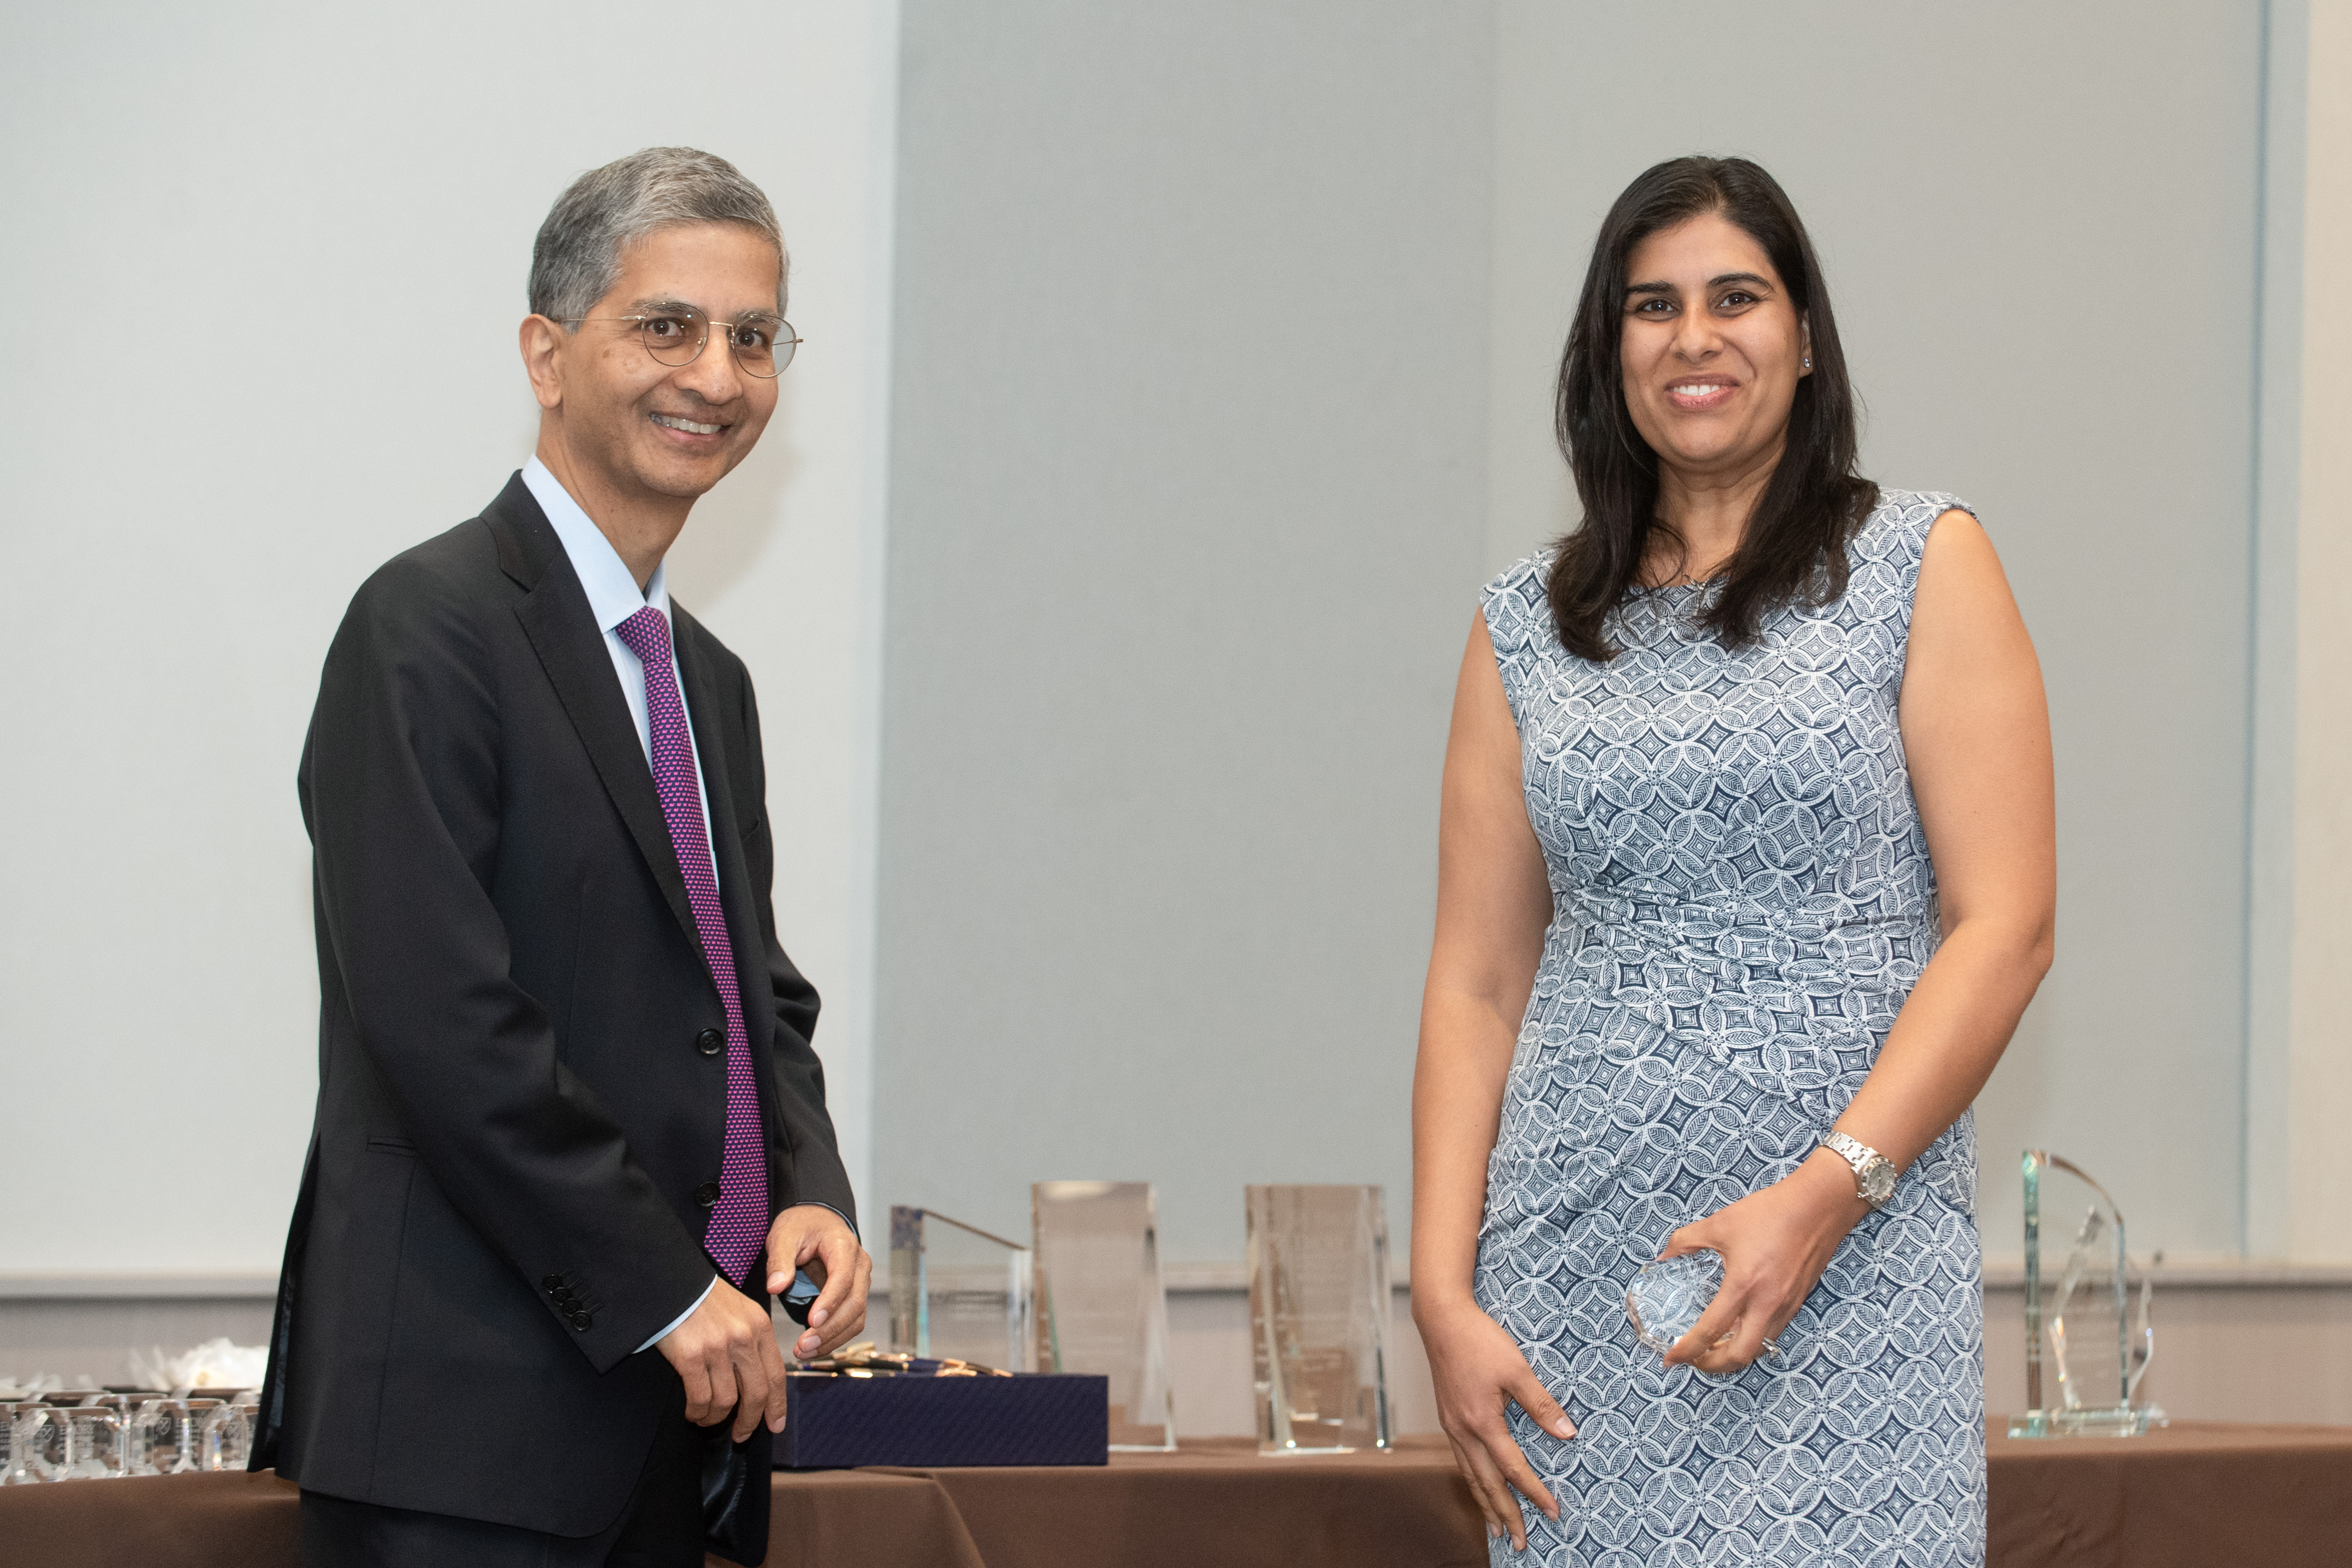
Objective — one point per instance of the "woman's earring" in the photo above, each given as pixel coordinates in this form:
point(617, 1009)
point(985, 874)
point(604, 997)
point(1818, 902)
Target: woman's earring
point(1809, 362)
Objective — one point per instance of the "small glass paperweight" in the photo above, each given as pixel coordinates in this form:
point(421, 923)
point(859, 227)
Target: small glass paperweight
point(24, 1459)
point(1101, 1307)
point(955, 1290)
point(1318, 1289)
point(78, 1443)
point(2083, 1326)
point(166, 1437)
point(1666, 1297)
point(226, 1436)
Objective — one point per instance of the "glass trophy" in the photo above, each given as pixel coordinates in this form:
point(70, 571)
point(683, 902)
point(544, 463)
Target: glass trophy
point(2082, 1327)
point(23, 1451)
point(166, 1437)
point(226, 1436)
point(1319, 1288)
point(74, 1443)
point(955, 1290)
point(1100, 1304)
point(1667, 1298)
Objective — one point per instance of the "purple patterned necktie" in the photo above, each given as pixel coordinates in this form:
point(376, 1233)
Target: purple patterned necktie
point(739, 1224)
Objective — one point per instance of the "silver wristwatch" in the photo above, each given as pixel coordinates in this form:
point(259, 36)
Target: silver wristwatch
point(1873, 1172)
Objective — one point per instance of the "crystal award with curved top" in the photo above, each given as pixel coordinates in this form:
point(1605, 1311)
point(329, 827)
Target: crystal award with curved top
point(2082, 1326)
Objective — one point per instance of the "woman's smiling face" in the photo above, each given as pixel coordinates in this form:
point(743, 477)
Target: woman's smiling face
point(1712, 349)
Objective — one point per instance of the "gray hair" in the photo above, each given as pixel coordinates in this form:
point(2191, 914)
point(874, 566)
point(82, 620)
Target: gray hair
point(577, 255)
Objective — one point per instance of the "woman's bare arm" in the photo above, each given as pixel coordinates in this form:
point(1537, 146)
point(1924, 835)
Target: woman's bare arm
point(1976, 728)
point(1494, 904)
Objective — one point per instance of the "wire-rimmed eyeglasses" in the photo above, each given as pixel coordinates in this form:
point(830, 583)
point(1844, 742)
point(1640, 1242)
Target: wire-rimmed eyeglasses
point(762, 345)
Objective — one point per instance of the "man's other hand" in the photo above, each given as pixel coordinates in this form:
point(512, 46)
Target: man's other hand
point(726, 1354)
point(812, 1237)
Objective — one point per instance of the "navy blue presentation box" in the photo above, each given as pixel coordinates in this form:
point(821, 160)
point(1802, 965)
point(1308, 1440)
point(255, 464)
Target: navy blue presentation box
point(924, 1423)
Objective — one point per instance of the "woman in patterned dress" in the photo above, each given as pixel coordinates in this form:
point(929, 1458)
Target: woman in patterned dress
point(1748, 840)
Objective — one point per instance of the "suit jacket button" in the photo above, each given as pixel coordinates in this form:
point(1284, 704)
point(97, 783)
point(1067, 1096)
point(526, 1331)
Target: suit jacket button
point(563, 1298)
point(582, 1322)
point(706, 1193)
point(551, 1283)
point(710, 1042)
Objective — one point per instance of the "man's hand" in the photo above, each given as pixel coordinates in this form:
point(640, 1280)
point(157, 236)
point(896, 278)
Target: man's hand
point(812, 1237)
point(725, 1353)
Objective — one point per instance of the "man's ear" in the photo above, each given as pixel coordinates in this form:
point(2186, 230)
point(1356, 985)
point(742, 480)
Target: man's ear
point(543, 343)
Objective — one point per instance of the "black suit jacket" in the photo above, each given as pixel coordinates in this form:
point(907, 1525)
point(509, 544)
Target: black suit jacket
point(518, 1096)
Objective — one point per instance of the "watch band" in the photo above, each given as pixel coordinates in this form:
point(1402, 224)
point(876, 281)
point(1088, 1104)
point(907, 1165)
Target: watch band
point(1873, 1172)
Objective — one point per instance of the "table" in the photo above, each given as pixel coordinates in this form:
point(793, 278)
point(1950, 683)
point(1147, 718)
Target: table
point(2201, 1494)
point(2197, 1494)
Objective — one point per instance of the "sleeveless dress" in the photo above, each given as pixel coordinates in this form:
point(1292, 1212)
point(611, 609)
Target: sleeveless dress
point(1742, 900)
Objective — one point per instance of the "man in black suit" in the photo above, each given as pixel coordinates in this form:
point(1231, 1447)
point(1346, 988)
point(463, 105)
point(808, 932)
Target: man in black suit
point(571, 1133)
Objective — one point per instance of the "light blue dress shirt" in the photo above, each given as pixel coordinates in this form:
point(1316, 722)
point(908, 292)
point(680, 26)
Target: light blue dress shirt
point(612, 598)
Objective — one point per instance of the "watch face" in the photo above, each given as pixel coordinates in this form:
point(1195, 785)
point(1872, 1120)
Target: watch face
point(1876, 1181)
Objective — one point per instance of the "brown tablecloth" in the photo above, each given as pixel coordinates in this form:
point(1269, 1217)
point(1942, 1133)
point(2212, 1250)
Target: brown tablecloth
point(2199, 1493)
point(1215, 1501)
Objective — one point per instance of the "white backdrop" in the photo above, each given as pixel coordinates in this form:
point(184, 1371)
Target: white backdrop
point(257, 305)
point(262, 270)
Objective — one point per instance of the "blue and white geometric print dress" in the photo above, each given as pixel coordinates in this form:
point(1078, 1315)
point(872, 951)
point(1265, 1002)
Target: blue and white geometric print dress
point(1741, 900)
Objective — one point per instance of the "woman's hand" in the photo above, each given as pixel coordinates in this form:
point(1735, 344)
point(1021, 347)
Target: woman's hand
point(1774, 1244)
point(1478, 1371)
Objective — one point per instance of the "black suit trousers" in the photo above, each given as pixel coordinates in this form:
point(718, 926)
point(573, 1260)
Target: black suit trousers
point(660, 1528)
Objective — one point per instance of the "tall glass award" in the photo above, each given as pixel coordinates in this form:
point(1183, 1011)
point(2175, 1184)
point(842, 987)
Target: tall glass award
point(1319, 1285)
point(1100, 1304)
point(2083, 1329)
point(955, 1290)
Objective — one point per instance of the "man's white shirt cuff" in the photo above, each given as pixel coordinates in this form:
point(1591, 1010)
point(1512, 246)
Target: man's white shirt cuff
point(682, 1317)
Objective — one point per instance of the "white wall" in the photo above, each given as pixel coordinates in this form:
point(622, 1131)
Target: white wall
point(1225, 346)
point(1155, 897)
point(2041, 233)
point(1186, 507)
point(264, 268)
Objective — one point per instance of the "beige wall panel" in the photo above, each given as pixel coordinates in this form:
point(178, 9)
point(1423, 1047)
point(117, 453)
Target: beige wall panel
point(2320, 1052)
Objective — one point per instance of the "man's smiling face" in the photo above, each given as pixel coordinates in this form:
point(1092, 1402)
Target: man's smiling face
point(643, 428)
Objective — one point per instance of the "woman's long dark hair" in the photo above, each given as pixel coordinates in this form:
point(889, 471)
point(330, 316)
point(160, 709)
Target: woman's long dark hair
point(1794, 546)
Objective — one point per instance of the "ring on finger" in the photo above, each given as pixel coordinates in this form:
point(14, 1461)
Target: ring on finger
point(1771, 1347)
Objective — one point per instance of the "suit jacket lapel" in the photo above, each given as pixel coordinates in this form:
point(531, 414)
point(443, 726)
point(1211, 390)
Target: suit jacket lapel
point(555, 618)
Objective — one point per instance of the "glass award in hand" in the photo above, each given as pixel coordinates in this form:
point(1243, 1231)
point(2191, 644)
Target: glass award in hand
point(1666, 1297)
